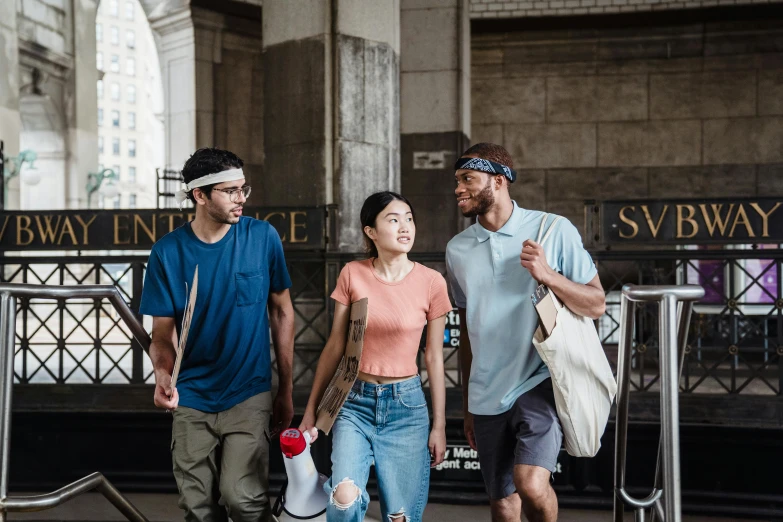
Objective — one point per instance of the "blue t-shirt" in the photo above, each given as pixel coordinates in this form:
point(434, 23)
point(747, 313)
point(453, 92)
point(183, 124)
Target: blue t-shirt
point(488, 280)
point(226, 360)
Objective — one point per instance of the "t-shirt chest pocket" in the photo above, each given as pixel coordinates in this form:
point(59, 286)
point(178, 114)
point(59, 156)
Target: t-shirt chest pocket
point(251, 287)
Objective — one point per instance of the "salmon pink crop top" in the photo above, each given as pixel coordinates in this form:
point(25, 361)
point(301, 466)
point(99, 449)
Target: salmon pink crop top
point(397, 314)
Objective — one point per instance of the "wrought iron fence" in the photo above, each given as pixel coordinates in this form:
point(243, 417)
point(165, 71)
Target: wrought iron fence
point(735, 346)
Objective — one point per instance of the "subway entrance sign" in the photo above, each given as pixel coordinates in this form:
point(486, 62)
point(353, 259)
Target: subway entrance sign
point(684, 221)
point(299, 228)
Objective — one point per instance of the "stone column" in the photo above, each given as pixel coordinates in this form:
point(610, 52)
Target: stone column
point(10, 123)
point(331, 98)
point(178, 64)
point(435, 112)
point(211, 81)
point(82, 111)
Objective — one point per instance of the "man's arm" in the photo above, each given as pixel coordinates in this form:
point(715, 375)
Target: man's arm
point(465, 362)
point(163, 355)
point(588, 300)
point(281, 321)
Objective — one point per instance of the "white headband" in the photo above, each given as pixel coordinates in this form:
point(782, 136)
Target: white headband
point(209, 179)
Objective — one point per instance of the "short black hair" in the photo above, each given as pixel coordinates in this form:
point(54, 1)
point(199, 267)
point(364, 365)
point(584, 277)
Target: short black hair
point(373, 206)
point(208, 161)
point(492, 152)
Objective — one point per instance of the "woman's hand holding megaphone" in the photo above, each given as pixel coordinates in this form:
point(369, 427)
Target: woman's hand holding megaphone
point(308, 425)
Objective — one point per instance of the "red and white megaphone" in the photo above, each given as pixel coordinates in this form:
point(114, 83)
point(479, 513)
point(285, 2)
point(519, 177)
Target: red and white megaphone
point(303, 496)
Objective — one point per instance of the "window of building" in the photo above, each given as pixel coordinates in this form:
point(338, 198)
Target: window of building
point(114, 7)
point(115, 119)
point(132, 201)
point(114, 33)
point(115, 146)
point(132, 174)
point(115, 91)
point(130, 67)
point(100, 117)
point(98, 32)
point(117, 202)
point(100, 144)
point(131, 148)
point(116, 169)
point(130, 39)
point(131, 94)
point(99, 60)
point(130, 11)
point(100, 89)
point(115, 63)
point(132, 120)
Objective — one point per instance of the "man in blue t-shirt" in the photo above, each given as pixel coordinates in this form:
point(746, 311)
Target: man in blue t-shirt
point(222, 401)
point(494, 267)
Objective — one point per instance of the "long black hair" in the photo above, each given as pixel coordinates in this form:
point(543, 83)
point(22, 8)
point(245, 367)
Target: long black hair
point(373, 206)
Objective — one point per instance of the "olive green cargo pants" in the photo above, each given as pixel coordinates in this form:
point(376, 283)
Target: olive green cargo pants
point(221, 462)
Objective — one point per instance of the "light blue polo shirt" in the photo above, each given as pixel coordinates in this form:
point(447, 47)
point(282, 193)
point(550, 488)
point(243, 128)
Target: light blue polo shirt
point(487, 279)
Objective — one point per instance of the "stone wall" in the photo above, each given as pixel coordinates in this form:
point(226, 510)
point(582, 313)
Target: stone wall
point(658, 112)
point(517, 9)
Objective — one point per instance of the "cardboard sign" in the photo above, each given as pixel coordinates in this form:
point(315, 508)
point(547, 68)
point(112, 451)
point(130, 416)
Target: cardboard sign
point(547, 306)
point(183, 336)
point(347, 370)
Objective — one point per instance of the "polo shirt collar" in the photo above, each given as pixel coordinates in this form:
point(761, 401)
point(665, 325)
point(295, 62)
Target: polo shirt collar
point(508, 229)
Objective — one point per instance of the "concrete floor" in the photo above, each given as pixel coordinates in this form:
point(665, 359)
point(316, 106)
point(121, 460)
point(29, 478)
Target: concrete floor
point(93, 507)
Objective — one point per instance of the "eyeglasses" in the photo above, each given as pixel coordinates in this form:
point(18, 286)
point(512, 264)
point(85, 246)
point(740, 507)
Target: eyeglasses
point(233, 193)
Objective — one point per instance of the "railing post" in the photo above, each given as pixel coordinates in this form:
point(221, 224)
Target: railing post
point(623, 391)
point(137, 372)
point(7, 345)
point(670, 414)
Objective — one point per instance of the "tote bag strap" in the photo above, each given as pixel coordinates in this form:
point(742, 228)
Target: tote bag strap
point(541, 239)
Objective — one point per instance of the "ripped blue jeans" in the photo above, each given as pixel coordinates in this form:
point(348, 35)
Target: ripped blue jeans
point(387, 425)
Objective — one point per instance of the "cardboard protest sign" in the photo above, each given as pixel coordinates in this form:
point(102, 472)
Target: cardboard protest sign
point(183, 336)
point(347, 370)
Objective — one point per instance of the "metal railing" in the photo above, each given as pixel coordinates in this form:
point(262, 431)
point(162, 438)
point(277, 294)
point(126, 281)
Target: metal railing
point(8, 295)
point(673, 335)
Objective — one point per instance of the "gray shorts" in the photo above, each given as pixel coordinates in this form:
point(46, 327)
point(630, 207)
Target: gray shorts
point(528, 433)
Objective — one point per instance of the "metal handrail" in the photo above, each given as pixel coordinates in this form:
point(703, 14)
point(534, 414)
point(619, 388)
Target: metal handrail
point(8, 295)
point(673, 333)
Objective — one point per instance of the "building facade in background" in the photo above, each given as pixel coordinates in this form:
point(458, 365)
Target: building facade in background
point(130, 104)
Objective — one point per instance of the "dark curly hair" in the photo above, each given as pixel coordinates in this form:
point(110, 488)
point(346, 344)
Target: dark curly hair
point(208, 161)
point(492, 152)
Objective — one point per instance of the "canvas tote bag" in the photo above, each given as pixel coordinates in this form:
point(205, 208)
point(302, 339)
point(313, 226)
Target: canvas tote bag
point(582, 379)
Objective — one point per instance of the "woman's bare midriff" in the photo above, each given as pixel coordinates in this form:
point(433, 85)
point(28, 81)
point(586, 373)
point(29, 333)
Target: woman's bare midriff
point(380, 379)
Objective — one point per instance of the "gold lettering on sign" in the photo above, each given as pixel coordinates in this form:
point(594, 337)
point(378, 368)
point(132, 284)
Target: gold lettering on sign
point(295, 225)
point(117, 228)
point(689, 218)
point(625, 219)
point(765, 217)
point(67, 229)
point(741, 214)
point(46, 231)
point(5, 224)
point(24, 228)
point(171, 217)
point(718, 221)
point(266, 218)
point(654, 229)
point(85, 227)
point(138, 221)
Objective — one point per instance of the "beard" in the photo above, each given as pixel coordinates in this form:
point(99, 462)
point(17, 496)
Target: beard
point(482, 202)
point(223, 216)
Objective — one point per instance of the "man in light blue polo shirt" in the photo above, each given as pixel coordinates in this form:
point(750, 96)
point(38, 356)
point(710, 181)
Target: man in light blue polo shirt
point(494, 267)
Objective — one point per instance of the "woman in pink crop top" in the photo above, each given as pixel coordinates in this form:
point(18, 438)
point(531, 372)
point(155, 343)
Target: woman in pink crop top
point(384, 419)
